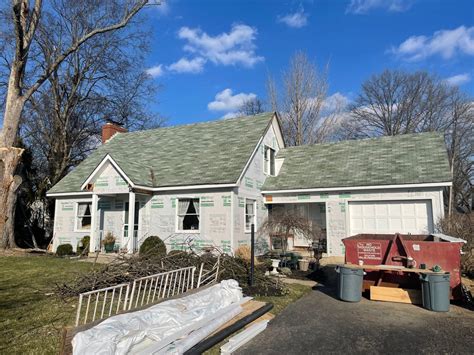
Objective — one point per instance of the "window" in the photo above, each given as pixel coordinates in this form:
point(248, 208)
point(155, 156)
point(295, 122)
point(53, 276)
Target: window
point(83, 216)
point(249, 214)
point(269, 161)
point(188, 214)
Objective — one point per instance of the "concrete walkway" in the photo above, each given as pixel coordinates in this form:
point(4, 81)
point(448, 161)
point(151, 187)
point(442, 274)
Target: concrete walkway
point(320, 324)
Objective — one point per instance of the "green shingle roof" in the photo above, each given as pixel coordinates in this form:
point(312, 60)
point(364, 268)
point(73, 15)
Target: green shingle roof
point(405, 159)
point(205, 153)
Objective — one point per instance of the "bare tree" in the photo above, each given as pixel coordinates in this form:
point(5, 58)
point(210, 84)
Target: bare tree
point(21, 85)
point(458, 134)
point(395, 102)
point(251, 107)
point(283, 223)
point(300, 101)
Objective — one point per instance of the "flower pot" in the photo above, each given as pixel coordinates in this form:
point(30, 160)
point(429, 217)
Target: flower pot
point(303, 264)
point(275, 263)
point(109, 248)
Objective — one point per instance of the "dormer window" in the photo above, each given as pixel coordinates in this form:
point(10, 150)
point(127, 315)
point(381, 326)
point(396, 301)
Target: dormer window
point(269, 161)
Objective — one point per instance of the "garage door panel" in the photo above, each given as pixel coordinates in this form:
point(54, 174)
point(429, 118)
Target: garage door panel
point(382, 223)
point(408, 209)
point(390, 217)
point(381, 210)
point(394, 209)
point(368, 210)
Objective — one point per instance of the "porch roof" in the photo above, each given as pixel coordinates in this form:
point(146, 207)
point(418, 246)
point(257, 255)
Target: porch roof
point(405, 159)
point(197, 154)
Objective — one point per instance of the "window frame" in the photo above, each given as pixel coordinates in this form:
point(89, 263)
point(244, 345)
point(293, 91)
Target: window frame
point(178, 230)
point(267, 160)
point(76, 216)
point(254, 215)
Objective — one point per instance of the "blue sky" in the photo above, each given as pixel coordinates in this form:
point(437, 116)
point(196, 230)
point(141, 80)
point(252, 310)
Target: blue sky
point(210, 55)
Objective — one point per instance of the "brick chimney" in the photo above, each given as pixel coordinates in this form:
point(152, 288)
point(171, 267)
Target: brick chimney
point(109, 129)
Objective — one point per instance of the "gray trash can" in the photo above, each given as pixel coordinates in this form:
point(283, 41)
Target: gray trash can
point(435, 291)
point(349, 283)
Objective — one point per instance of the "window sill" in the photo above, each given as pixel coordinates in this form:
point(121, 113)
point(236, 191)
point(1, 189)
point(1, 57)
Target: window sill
point(190, 231)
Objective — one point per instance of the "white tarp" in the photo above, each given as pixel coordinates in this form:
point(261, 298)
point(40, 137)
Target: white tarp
point(118, 334)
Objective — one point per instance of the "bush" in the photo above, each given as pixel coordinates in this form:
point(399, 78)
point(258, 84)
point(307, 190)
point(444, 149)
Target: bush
point(461, 226)
point(153, 246)
point(83, 245)
point(64, 249)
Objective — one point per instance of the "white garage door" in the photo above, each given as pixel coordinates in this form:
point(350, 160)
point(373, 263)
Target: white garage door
point(391, 217)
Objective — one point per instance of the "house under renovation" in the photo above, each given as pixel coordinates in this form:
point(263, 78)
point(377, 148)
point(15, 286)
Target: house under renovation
point(205, 184)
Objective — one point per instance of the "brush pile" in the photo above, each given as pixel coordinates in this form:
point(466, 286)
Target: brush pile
point(127, 268)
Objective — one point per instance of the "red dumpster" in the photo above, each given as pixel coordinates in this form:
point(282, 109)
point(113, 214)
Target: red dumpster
point(408, 251)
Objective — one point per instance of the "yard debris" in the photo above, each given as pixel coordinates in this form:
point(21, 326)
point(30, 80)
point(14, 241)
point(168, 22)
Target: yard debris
point(124, 269)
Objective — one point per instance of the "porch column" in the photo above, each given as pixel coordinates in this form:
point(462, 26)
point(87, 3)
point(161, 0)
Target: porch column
point(131, 222)
point(94, 241)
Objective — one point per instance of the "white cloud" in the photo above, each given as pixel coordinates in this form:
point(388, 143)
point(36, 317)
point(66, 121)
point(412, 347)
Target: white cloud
point(161, 6)
point(446, 43)
point(458, 80)
point(155, 71)
point(360, 7)
point(231, 115)
point(232, 48)
point(184, 65)
point(225, 101)
point(335, 102)
point(297, 20)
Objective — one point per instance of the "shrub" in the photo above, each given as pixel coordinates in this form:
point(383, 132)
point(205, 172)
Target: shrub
point(64, 249)
point(153, 246)
point(83, 245)
point(461, 226)
point(243, 252)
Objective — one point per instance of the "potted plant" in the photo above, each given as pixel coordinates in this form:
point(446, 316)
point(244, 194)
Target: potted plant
point(108, 242)
point(303, 264)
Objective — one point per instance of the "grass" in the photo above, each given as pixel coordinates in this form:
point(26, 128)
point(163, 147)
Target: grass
point(30, 319)
point(279, 303)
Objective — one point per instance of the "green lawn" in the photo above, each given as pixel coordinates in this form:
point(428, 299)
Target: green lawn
point(31, 320)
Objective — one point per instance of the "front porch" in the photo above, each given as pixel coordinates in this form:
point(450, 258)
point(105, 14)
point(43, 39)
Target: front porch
point(312, 212)
point(113, 214)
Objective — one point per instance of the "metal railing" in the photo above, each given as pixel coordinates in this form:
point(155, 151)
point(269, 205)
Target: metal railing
point(166, 284)
point(208, 276)
point(107, 301)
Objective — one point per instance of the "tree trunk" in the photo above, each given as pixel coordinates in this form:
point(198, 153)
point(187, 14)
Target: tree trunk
point(10, 157)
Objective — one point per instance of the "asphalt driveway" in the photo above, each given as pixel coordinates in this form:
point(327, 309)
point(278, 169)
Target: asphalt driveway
point(320, 324)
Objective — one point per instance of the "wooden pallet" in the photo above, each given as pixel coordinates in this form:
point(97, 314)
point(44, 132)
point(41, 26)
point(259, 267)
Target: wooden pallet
point(392, 294)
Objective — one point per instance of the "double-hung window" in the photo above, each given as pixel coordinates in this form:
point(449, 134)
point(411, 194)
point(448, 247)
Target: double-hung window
point(250, 214)
point(83, 216)
point(269, 161)
point(188, 214)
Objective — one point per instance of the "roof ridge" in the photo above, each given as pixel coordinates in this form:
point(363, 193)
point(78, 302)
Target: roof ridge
point(352, 141)
point(218, 120)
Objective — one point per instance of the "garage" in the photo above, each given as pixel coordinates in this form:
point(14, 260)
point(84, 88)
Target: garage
point(414, 217)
